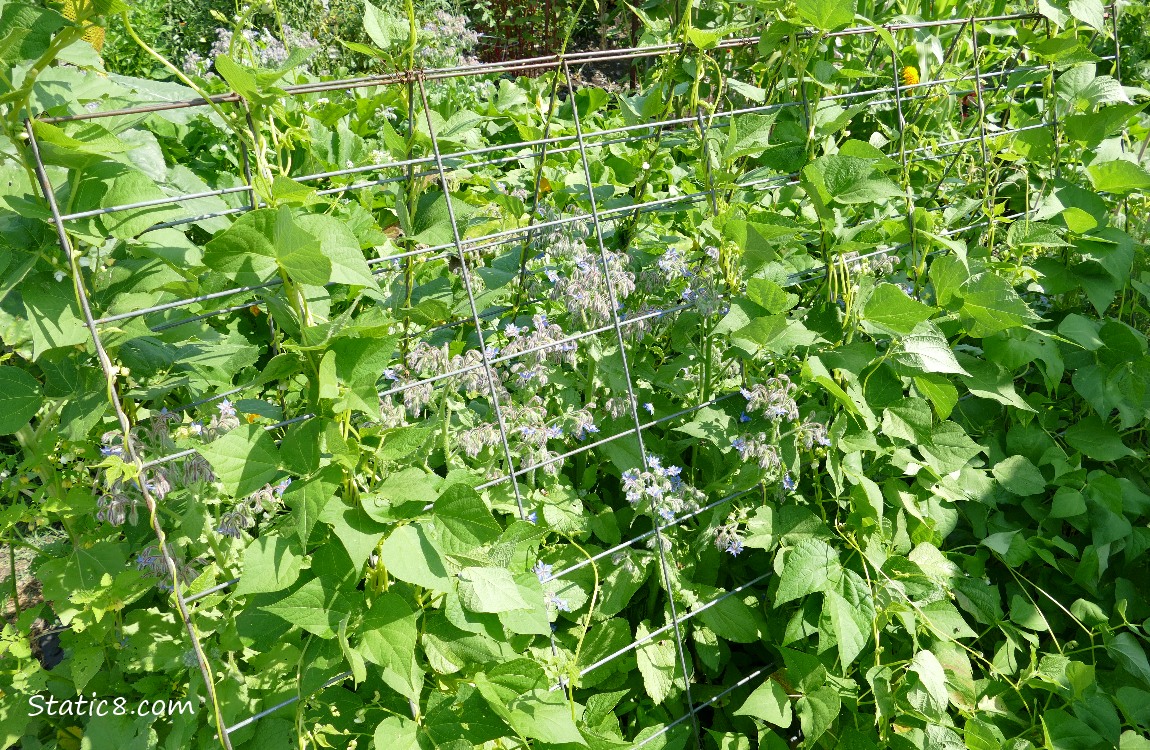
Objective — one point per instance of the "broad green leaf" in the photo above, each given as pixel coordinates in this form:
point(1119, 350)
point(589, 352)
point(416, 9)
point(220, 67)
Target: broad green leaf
point(848, 631)
point(20, 399)
point(243, 459)
point(1065, 732)
point(908, 420)
point(384, 28)
point(733, 620)
point(930, 696)
point(53, 316)
point(270, 564)
point(993, 304)
point(25, 32)
point(315, 608)
point(465, 518)
point(827, 15)
point(356, 530)
point(489, 590)
point(410, 485)
point(388, 639)
point(810, 567)
point(750, 136)
point(1097, 439)
point(397, 733)
point(1089, 12)
point(307, 499)
point(927, 350)
point(246, 251)
point(1093, 127)
point(753, 93)
point(703, 38)
point(1126, 650)
point(544, 715)
point(1119, 176)
point(410, 556)
point(891, 309)
point(339, 245)
point(817, 712)
point(849, 179)
point(946, 621)
point(942, 394)
point(1018, 475)
point(657, 664)
point(770, 703)
point(991, 380)
point(298, 252)
point(949, 448)
point(851, 613)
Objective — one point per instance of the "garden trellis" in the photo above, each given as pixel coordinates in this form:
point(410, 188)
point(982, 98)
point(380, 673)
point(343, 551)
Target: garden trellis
point(993, 85)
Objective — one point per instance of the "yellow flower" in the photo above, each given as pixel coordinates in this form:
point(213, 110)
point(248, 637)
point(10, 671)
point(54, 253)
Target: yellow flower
point(909, 76)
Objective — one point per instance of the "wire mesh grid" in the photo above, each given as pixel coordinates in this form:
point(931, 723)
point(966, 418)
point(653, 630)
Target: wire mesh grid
point(466, 254)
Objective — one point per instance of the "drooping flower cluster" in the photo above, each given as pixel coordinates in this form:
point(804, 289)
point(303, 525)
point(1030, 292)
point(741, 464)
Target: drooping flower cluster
point(758, 449)
point(117, 505)
point(663, 488)
point(152, 562)
point(263, 502)
point(535, 347)
point(577, 275)
point(225, 421)
point(773, 398)
point(728, 539)
point(812, 433)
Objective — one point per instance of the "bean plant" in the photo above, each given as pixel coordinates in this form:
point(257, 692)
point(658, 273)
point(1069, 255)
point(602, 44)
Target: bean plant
point(451, 411)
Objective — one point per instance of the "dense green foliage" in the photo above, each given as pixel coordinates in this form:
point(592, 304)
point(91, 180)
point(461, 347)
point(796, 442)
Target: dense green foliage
point(886, 354)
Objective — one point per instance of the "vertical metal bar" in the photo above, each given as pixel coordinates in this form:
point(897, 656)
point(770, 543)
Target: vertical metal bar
point(463, 269)
point(978, 90)
point(918, 272)
point(126, 429)
point(634, 402)
point(466, 272)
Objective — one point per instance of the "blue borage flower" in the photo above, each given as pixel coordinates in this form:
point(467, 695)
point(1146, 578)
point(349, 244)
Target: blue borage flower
point(560, 605)
point(773, 398)
point(788, 482)
point(263, 502)
point(543, 571)
point(759, 449)
point(812, 433)
point(727, 539)
point(663, 488)
point(152, 562)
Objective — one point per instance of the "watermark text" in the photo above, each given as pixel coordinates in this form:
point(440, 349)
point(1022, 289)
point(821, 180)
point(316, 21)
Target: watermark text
point(94, 705)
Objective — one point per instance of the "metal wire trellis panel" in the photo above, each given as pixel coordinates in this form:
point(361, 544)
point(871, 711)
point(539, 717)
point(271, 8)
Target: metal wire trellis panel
point(467, 251)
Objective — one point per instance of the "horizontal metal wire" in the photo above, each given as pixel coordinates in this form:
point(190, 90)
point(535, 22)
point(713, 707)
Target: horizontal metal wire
point(285, 703)
point(541, 142)
point(704, 704)
point(665, 628)
point(793, 279)
point(529, 64)
point(645, 535)
point(208, 592)
point(484, 242)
